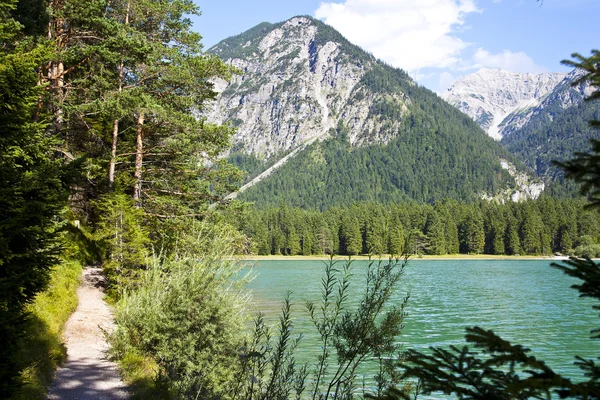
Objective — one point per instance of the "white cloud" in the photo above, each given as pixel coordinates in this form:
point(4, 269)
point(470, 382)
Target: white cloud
point(512, 61)
point(446, 80)
point(410, 34)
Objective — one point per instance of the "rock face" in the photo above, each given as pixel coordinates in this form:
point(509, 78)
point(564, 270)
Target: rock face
point(554, 130)
point(560, 98)
point(299, 79)
point(300, 83)
point(501, 101)
point(539, 118)
point(525, 187)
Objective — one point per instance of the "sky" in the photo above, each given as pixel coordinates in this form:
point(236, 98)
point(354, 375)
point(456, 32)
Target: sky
point(435, 41)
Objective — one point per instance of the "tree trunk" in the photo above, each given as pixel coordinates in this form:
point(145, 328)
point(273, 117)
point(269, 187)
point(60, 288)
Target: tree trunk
point(60, 83)
point(115, 134)
point(113, 155)
point(139, 159)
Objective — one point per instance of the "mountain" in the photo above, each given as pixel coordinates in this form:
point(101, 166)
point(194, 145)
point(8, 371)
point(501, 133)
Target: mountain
point(492, 97)
point(547, 118)
point(555, 129)
point(321, 122)
point(299, 79)
point(562, 97)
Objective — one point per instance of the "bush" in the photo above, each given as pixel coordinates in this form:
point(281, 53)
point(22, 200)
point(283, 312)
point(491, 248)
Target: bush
point(587, 251)
point(122, 239)
point(186, 315)
point(349, 336)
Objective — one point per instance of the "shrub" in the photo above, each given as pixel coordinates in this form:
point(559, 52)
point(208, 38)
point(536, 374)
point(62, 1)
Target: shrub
point(186, 315)
point(349, 336)
point(587, 251)
point(122, 238)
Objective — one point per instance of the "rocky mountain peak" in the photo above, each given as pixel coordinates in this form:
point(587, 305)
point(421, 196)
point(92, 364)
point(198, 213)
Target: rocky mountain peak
point(316, 114)
point(300, 79)
point(489, 95)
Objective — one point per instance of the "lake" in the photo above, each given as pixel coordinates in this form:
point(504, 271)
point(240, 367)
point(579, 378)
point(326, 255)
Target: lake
point(525, 302)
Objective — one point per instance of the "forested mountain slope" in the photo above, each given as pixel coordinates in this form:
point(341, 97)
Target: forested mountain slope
point(538, 117)
point(554, 130)
point(370, 132)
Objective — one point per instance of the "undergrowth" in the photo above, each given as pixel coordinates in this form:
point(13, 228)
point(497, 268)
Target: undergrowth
point(41, 348)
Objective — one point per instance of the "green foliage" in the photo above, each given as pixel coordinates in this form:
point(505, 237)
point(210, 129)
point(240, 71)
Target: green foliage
point(554, 136)
point(355, 335)
point(585, 168)
point(122, 236)
point(544, 226)
point(32, 190)
point(236, 46)
point(587, 251)
point(268, 370)
point(434, 151)
point(349, 336)
point(71, 104)
point(185, 315)
point(437, 154)
point(41, 348)
point(498, 369)
point(591, 66)
point(248, 163)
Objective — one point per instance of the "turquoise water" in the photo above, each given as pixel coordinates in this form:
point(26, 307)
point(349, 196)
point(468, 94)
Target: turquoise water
point(526, 302)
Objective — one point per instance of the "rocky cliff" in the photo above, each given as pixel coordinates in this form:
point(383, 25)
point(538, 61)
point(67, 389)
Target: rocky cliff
point(500, 100)
point(322, 122)
point(540, 118)
point(562, 97)
point(298, 80)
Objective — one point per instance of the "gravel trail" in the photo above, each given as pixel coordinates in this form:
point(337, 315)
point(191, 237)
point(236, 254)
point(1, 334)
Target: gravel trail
point(87, 374)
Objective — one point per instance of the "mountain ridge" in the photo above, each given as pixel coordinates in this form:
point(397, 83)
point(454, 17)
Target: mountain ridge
point(303, 86)
point(490, 96)
point(322, 67)
point(552, 126)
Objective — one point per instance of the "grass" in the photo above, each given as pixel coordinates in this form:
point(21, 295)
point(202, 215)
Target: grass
point(140, 373)
point(41, 347)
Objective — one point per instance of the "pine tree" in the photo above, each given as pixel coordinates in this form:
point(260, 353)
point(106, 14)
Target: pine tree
point(350, 236)
point(397, 239)
point(436, 234)
point(532, 231)
point(472, 233)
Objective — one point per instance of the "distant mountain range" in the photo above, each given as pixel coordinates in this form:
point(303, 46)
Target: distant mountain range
point(537, 117)
point(321, 122)
point(492, 97)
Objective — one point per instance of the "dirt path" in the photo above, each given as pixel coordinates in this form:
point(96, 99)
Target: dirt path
point(87, 374)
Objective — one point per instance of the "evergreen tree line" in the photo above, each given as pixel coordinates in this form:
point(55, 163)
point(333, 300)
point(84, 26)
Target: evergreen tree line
point(541, 227)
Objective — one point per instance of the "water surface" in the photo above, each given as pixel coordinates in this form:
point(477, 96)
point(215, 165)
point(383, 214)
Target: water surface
point(526, 302)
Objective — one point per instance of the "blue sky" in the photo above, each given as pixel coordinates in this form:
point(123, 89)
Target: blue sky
point(436, 41)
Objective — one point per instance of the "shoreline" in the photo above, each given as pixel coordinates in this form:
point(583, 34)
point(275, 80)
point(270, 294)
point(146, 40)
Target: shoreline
point(457, 257)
